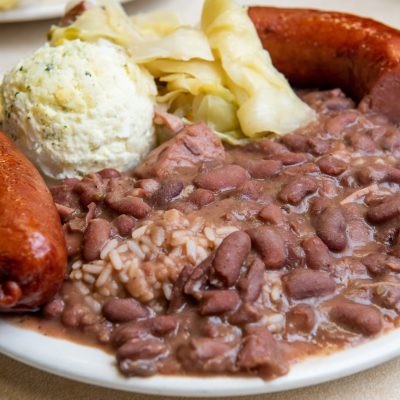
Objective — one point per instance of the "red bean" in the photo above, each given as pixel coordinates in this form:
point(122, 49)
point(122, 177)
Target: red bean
point(216, 302)
point(358, 231)
point(267, 147)
point(388, 296)
point(63, 211)
point(260, 352)
point(195, 283)
point(162, 325)
point(295, 254)
point(159, 326)
point(304, 283)
point(297, 189)
point(125, 224)
point(101, 330)
point(124, 310)
point(109, 173)
point(296, 142)
point(129, 331)
point(251, 190)
point(378, 173)
point(251, 285)
point(73, 241)
point(91, 188)
point(178, 296)
point(360, 318)
point(230, 256)
point(96, 236)
point(291, 158)
point(271, 246)
point(166, 193)
point(201, 197)
point(318, 146)
point(386, 210)
point(300, 318)
point(391, 140)
point(150, 186)
point(332, 166)
point(129, 205)
point(140, 349)
point(272, 214)
point(228, 177)
point(381, 263)
point(360, 141)
point(337, 124)
point(206, 349)
point(65, 195)
point(329, 223)
point(206, 355)
point(54, 309)
point(73, 315)
point(245, 314)
point(338, 104)
point(301, 143)
point(317, 254)
point(262, 169)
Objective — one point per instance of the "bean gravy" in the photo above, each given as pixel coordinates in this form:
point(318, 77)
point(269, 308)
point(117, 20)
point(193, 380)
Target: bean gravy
point(307, 261)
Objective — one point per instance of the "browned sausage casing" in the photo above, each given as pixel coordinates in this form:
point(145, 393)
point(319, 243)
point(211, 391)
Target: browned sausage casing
point(330, 49)
point(33, 255)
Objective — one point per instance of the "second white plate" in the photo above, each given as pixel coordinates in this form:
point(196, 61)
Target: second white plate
point(32, 10)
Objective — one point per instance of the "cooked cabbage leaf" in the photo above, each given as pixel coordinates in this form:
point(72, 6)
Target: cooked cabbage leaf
point(174, 46)
point(104, 20)
point(156, 24)
point(266, 101)
point(143, 40)
point(217, 73)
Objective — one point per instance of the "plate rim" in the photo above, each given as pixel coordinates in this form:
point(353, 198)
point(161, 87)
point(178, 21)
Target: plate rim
point(383, 348)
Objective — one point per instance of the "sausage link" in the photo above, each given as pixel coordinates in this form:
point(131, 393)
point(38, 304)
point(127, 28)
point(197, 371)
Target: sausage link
point(33, 254)
point(319, 49)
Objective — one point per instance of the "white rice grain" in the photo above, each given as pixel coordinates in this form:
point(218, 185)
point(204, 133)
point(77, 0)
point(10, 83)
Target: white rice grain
point(83, 289)
point(149, 243)
point(92, 269)
point(158, 236)
point(123, 248)
point(93, 304)
point(191, 250)
point(202, 253)
point(115, 260)
point(135, 248)
point(89, 278)
point(76, 265)
point(123, 277)
point(137, 233)
point(103, 277)
point(209, 234)
point(275, 294)
point(112, 244)
point(226, 230)
point(167, 290)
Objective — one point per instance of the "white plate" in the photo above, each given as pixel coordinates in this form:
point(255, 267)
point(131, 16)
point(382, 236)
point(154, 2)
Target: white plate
point(33, 10)
point(87, 364)
point(90, 365)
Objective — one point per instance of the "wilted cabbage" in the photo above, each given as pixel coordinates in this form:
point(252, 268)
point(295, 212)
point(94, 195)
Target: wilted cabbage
point(218, 73)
